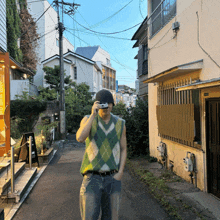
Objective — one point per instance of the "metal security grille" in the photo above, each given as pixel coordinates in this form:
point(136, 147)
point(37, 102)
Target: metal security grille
point(163, 14)
point(168, 96)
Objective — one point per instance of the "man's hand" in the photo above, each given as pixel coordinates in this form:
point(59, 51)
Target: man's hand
point(118, 176)
point(95, 108)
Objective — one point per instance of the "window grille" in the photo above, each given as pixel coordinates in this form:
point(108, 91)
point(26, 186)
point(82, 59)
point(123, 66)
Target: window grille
point(163, 14)
point(178, 114)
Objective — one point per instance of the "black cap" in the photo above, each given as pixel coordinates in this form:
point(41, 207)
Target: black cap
point(104, 96)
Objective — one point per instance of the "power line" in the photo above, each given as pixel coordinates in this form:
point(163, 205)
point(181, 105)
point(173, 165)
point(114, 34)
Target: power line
point(107, 48)
point(120, 38)
point(105, 33)
point(140, 8)
point(105, 20)
point(37, 19)
point(103, 54)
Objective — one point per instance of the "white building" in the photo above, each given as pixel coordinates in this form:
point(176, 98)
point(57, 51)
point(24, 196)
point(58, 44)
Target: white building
point(81, 69)
point(3, 35)
point(49, 37)
point(103, 60)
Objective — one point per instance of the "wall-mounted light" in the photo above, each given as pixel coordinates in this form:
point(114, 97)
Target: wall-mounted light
point(2, 61)
point(13, 67)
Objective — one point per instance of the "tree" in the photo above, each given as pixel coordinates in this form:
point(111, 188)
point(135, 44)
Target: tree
point(136, 127)
point(29, 37)
point(78, 99)
point(78, 104)
point(52, 77)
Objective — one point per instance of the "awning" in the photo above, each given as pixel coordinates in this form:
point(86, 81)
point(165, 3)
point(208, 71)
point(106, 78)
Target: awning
point(176, 71)
point(200, 85)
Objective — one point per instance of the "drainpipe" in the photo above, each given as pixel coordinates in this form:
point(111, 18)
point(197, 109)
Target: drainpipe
point(194, 169)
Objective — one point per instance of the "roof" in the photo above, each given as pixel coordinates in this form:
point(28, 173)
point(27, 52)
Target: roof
point(200, 84)
point(56, 56)
point(18, 65)
point(87, 52)
point(78, 56)
point(140, 31)
point(176, 71)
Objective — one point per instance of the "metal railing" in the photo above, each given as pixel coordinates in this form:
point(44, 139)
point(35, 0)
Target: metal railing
point(13, 165)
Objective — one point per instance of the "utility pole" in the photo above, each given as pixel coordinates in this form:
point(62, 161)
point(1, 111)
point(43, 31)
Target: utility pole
point(62, 91)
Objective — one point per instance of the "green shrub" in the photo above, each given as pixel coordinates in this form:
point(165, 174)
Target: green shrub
point(136, 127)
point(24, 115)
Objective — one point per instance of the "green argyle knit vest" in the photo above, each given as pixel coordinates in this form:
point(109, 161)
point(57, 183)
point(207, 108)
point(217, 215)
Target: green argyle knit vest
point(102, 151)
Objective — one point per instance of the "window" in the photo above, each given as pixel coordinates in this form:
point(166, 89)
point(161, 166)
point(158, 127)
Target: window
point(145, 60)
point(162, 15)
point(57, 42)
point(75, 72)
point(145, 51)
point(108, 62)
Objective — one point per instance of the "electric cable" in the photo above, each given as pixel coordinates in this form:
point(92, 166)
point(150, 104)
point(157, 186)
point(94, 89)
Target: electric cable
point(100, 52)
point(107, 48)
point(200, 44)
point(140, 8)
point(37, 19)
point(105, 33)
point(120, 38)
point(105, 20)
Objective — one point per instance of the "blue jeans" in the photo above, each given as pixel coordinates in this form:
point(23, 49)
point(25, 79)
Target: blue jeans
point(100, 193)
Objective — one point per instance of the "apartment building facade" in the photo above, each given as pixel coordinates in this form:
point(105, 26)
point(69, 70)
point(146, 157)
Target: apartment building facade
point(184, 92)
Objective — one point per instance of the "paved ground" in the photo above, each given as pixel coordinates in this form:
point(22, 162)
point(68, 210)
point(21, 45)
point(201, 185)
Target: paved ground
point(56, 195)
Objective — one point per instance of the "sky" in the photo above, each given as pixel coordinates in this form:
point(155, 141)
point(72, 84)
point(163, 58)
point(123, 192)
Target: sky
point(93, 15)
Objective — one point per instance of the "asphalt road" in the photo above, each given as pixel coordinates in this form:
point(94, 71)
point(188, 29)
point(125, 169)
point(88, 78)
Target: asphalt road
point(56, 194)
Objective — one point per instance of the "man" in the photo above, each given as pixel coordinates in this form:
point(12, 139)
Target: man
point(104, 160)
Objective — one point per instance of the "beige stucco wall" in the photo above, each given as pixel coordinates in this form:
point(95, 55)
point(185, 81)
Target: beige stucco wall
point(167, 52)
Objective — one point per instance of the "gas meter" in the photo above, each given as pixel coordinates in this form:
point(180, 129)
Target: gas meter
point(188, 162)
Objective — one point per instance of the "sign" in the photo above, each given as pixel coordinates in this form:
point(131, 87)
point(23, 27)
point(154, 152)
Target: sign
point(4, 104)
point(23, 153)
point(116, 85)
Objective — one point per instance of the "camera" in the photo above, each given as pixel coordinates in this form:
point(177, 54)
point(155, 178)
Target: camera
point(103, 105)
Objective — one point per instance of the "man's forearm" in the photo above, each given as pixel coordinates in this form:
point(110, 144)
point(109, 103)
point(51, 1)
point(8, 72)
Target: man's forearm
point(83, 131)
point(123, 160)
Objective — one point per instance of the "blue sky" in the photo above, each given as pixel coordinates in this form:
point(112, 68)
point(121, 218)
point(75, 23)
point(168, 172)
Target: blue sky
point(121, 51)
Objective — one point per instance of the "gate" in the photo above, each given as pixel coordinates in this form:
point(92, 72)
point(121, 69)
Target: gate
point(213, 145)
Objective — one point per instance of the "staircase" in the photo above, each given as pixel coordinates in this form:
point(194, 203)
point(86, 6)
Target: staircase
point(22, 178)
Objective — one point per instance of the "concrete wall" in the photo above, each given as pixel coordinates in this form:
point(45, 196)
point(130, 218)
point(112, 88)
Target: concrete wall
point(101, 55)
point(17, 86)
point(167, 51)
point(3, 35)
